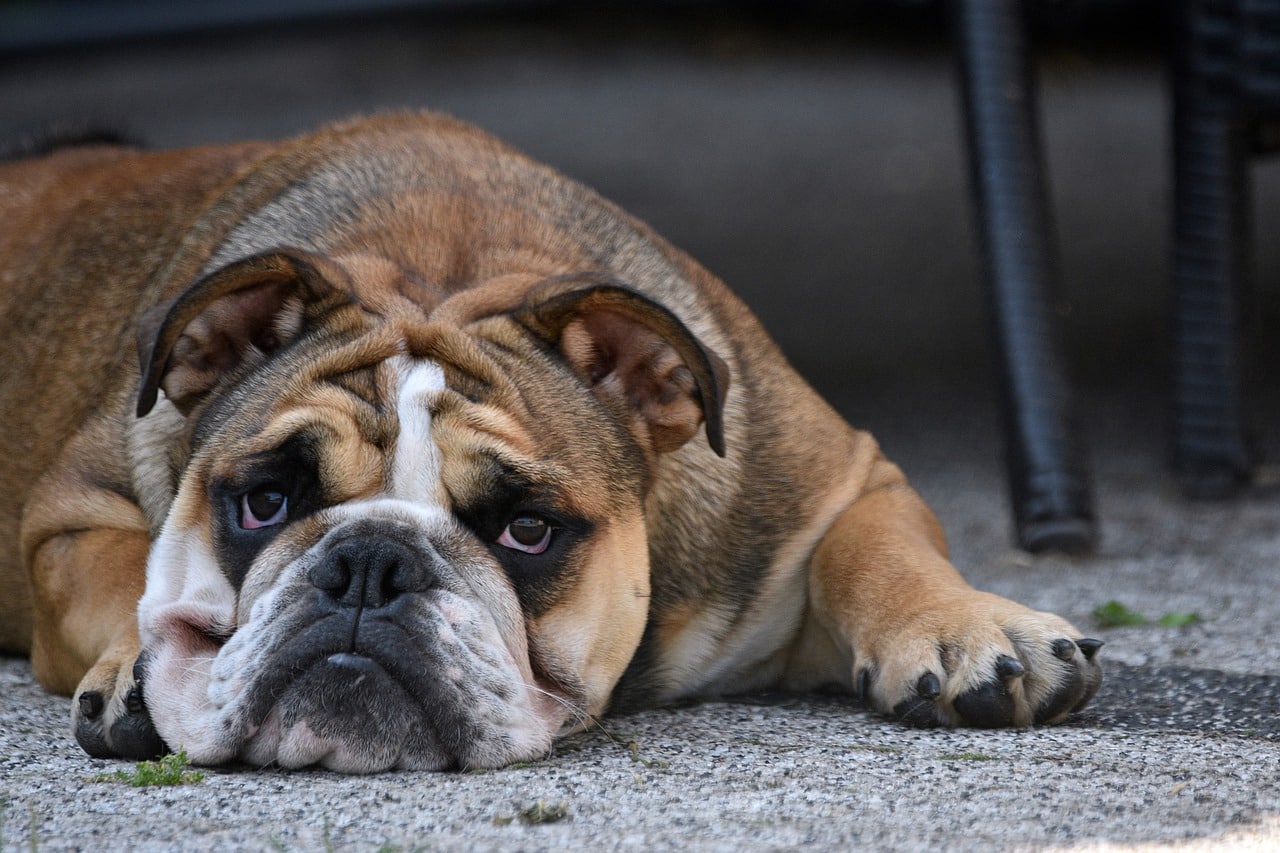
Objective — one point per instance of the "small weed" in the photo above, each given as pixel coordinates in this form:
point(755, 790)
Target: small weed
point(1113, 614)
point(633, 749)
point(518, 765)
point(169, 770)
point(535, 814)
point(868, 747)
point(966, 756)
point(1178, 620)
point(540, 812)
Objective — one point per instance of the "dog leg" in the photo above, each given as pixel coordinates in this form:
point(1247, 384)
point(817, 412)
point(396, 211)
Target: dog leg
point(87, 549)
point(926, 647)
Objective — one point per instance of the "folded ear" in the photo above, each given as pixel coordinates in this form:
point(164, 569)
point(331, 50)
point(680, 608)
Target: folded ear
point(633, 350)
point(245, 310)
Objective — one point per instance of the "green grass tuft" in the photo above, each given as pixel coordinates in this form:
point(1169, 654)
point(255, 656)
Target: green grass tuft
point(1178, 620)
point(172, 769)
point(1113, 614)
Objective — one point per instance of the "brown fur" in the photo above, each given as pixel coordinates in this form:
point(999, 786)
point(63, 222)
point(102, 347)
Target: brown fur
point(798, 558)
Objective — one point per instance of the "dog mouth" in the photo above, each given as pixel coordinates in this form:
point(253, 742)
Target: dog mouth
point(411, 688)
point(359, 663)
point(342, 710)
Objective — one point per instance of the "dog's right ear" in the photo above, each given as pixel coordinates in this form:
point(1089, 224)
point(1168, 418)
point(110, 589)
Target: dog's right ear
point(245, 310)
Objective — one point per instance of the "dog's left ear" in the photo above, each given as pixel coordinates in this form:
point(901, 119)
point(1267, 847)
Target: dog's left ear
point(633, 351)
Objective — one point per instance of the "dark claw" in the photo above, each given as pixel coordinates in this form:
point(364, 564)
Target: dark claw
point(921, 709)
point(1091, 672)
point(1089, 647)
point(1064, 649)
point(1007, 667)
point(91, 704)
point(133, 700)
point(134, 735)
point(862, 687)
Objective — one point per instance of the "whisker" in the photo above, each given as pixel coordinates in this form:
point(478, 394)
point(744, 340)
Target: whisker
point(576, 712)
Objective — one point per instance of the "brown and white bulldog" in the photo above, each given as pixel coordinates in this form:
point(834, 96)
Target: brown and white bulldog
point(430, 456)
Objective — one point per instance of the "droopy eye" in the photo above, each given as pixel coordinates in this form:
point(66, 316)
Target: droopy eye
point(527, 533)
point(263, 507)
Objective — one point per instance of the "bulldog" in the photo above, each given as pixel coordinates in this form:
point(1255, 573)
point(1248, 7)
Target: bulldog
point(430, 455)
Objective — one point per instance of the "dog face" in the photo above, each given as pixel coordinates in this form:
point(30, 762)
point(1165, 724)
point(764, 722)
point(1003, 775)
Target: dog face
point(402, 535)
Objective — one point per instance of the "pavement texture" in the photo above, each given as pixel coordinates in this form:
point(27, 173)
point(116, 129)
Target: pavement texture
point(823, 177)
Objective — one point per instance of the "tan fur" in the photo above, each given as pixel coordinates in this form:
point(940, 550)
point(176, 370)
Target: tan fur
point(603, 657)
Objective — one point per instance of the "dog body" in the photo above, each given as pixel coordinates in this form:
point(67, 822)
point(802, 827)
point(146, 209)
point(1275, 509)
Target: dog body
point(430, 455)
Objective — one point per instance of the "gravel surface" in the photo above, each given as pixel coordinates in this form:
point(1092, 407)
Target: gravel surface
point(762, 774)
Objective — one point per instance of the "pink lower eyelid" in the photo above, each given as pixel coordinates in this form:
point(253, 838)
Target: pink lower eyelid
point(506, 540)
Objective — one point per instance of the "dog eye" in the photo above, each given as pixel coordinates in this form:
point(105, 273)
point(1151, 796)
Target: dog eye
point(263, 507)
point(527, 533)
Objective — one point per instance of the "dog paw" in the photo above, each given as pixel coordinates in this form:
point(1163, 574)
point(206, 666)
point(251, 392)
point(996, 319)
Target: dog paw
point(109, 714)
point(981, 661)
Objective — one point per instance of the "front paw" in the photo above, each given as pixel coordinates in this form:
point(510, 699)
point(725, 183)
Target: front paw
point(978, 661)
point(109, 714)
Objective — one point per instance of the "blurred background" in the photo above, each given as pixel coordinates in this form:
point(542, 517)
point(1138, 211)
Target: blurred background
point(809, 153)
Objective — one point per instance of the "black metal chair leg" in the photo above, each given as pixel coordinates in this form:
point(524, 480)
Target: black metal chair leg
point(1211, 239)
point(1051, 496)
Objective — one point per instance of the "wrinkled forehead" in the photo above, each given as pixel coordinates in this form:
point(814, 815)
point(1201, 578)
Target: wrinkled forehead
point(368, 418)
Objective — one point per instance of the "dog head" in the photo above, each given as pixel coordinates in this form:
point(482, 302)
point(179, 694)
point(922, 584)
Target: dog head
point(406, 530)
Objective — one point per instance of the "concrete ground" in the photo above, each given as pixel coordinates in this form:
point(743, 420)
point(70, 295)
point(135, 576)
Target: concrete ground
point(821, 174)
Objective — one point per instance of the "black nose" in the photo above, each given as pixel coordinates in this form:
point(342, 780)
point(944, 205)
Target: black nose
point(371, 571)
